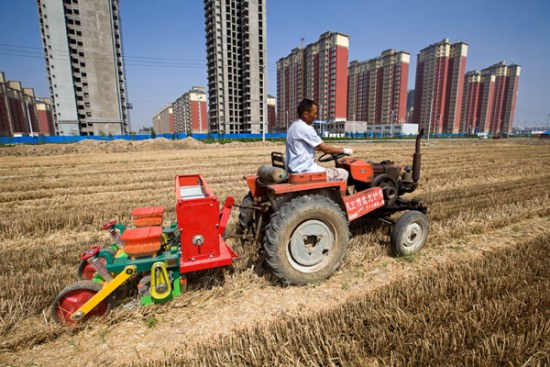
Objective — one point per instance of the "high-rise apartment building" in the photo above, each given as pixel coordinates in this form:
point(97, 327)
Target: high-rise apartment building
point(83, 51)
point(358, 108)
point(271, 113)
point(410, 99)
point(18, 115)
point(237, 65)
point(44, 108)
point(327, 75)
point(377, 88)
point(489, 99)
point(440, 71)
point(163, 122)
point(506, 87)
point(319, 72)
point(478, 90)
point(410, 105)
point(190, 114)
point(290, 87)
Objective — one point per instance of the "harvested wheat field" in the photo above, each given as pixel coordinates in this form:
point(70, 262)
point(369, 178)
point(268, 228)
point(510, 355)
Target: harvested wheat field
point(477, 294)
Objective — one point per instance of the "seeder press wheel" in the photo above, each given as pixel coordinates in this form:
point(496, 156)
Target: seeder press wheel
point(75, 296)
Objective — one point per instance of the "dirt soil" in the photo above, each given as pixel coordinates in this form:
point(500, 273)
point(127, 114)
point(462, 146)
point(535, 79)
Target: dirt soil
point(117, 146)
point(187, 320)
point(247, 296)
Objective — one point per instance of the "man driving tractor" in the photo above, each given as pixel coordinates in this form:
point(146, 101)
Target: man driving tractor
point(302, 141)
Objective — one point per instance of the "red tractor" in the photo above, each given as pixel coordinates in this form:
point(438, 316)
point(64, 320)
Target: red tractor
point(304, 219)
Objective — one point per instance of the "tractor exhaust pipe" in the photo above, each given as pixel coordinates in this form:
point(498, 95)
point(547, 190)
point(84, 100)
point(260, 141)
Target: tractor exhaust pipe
point(417, 158)
point(410, 184)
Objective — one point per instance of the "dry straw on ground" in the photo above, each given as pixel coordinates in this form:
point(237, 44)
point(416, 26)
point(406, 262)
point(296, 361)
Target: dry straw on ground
point(453, 314)
point(486, 199)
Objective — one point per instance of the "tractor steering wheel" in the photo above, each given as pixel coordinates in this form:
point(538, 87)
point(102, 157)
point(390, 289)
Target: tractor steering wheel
point(331, 157)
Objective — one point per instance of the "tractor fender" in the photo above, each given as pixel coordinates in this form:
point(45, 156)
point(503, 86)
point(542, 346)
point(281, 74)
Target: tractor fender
point(253, 186)
point(330, 192)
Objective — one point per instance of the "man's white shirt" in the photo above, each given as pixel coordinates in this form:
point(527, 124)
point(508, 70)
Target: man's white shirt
point(301, 140)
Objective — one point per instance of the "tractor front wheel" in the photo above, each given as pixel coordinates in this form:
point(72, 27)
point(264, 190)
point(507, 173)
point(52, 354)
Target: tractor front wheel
point(75, 296)
point(410, 233)
point(306, 240)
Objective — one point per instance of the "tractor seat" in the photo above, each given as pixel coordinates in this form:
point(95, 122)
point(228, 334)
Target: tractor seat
point(306, 177)
point(277, 173)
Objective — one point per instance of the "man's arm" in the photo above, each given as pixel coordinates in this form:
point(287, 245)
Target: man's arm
point(328, 149)
point(331, 149)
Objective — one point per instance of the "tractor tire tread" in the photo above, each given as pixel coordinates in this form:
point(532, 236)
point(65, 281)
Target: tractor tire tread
point(277, 230)
point(246, 215)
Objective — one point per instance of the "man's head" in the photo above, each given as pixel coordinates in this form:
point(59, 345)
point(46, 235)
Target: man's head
point(307, 111)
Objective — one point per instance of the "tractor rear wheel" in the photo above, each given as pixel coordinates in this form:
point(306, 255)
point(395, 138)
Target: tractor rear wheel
point(410, 233)
point(246, 215)
point(306, 240)
point(75, 296)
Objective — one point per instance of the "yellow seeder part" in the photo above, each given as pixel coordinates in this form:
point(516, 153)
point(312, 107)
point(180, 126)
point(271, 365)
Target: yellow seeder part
point(107, 289)
point(160, 281)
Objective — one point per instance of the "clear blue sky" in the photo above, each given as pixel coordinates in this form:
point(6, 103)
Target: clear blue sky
point(164, 42)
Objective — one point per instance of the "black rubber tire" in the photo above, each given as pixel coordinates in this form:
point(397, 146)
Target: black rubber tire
point(83, 271)
point(410, 233)
point(290, 258)
point(73, 297)
point(246, 215)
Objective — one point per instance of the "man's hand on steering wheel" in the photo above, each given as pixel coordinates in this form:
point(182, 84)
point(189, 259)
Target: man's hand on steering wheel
point(327, 157)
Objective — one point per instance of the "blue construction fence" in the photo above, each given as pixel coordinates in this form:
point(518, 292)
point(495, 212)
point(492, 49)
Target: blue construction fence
point(137, 137)
point(370, 135)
